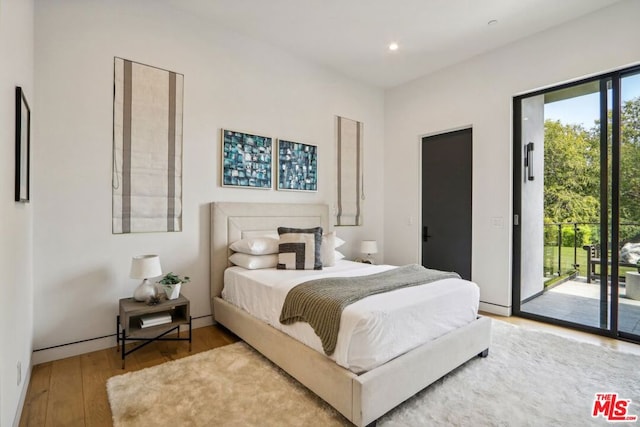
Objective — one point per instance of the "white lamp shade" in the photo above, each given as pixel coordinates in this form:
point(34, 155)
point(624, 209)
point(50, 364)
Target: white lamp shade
point(145, 266)
point(369, 247)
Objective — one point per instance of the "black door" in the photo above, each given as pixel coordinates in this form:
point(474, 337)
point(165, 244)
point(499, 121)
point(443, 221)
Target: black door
point(446, 202)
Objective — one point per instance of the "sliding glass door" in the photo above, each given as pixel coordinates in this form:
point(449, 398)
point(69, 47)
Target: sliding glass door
point(629, 294)
point(577, 204)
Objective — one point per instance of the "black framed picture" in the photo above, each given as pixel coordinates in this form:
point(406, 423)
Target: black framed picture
point(297, 166)
point(23, 146)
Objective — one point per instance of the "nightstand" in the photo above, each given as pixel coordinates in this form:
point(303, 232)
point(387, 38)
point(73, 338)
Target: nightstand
point(130, 322)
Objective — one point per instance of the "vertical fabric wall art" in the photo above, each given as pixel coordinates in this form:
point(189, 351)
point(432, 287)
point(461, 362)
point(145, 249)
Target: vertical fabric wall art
point(297, 166)
point(350, 172)
point(147, 148)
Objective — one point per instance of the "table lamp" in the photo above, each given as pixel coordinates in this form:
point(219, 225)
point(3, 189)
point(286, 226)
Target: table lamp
point(144, 267)
point(369, 247)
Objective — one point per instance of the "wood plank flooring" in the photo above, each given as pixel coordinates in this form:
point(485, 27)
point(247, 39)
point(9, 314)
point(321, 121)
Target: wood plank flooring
point(602, 341)
point(72, 391)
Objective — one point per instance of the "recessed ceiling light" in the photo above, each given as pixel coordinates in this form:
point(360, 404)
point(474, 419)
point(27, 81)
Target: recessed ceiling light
point(492, 22)
point(393, 46)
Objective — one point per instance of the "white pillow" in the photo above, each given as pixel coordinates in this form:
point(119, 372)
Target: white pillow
point(256, 246)
point(254, 262)
point(338, 255)
point(329, 242)
point(332, 239)
point(326, 251)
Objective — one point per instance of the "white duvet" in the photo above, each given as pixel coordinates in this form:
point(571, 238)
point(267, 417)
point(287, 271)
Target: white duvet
point(373, 330)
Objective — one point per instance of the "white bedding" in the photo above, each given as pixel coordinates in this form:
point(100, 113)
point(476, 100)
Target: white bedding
point(373, 330)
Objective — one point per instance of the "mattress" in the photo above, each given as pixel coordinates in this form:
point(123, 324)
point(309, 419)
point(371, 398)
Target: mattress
point(373, 330)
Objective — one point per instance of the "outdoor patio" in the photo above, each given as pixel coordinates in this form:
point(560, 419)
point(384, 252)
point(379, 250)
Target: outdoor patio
point(579, 302)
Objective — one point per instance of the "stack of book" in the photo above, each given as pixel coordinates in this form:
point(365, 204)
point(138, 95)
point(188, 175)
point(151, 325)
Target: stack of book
point(154, 319)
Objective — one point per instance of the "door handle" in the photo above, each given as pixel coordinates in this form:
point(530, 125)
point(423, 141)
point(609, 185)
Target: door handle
point(528, 161)
point(425, 234)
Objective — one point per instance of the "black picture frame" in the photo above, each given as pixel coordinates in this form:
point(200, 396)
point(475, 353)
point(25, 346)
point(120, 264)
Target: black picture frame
point(23, 147)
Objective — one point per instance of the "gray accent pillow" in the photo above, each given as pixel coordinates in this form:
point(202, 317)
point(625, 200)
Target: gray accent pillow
point(299, 248)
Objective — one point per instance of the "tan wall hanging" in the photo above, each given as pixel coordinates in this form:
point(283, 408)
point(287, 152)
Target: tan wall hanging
point(350, 172)
point(147, 148)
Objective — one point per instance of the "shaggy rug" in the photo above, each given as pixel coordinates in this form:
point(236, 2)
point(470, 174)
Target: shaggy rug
point(530, 378)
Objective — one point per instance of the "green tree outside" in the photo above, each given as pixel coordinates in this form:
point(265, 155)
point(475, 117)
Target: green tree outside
point(572, 181)
point(572, 170)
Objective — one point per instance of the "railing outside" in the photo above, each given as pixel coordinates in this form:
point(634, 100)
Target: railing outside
point(563, 251)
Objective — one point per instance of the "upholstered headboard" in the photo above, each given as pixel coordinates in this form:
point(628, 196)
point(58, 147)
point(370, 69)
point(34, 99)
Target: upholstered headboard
point(234, 221)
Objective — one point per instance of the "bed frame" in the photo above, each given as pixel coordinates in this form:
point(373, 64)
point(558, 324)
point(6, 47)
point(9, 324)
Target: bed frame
point(360, 398)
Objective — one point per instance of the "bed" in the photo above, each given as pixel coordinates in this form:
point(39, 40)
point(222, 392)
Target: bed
point(361, 393)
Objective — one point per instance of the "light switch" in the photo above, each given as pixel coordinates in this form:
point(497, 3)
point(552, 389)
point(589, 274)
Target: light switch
point(497, 222)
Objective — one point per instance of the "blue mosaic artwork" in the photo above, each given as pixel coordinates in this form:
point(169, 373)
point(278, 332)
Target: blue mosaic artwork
point(297, 166)
point(246, 160)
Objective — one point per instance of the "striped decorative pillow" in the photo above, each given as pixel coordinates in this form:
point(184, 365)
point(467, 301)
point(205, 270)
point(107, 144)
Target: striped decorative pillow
point(299, 248)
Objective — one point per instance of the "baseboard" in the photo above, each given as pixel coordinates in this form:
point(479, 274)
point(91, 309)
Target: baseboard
point(23, 395)
point(495, 309)
point(95, 344)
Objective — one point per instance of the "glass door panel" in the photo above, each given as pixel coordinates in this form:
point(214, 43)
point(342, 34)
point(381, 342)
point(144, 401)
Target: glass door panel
point(629, 295)
point(561, 250)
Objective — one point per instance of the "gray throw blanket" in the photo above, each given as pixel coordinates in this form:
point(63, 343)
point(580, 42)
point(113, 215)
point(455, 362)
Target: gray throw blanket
point(320, 302)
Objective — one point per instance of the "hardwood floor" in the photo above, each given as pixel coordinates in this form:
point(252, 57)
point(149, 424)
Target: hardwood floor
point(611, 343)
point(72, 391)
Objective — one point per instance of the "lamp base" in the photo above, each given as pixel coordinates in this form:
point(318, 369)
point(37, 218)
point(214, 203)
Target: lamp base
point(144, 291)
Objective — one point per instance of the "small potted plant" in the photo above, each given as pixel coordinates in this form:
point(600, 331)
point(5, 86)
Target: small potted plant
point(171, 284)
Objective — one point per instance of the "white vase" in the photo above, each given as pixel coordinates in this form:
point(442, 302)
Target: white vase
point(172, 291)
point(144, 291)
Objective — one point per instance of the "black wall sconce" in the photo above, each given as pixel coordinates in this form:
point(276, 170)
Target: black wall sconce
point(528, 161)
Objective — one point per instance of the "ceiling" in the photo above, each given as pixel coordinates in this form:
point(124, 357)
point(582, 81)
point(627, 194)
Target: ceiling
point(352, 36)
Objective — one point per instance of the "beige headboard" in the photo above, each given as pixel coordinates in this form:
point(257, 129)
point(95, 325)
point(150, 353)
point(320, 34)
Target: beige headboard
point(234, 221)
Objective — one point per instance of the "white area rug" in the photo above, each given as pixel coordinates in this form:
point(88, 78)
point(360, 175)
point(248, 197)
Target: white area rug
point(529, 379)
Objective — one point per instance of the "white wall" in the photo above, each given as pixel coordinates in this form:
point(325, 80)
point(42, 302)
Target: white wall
point(479, 93)
point(16, 224)
point(81, 269)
